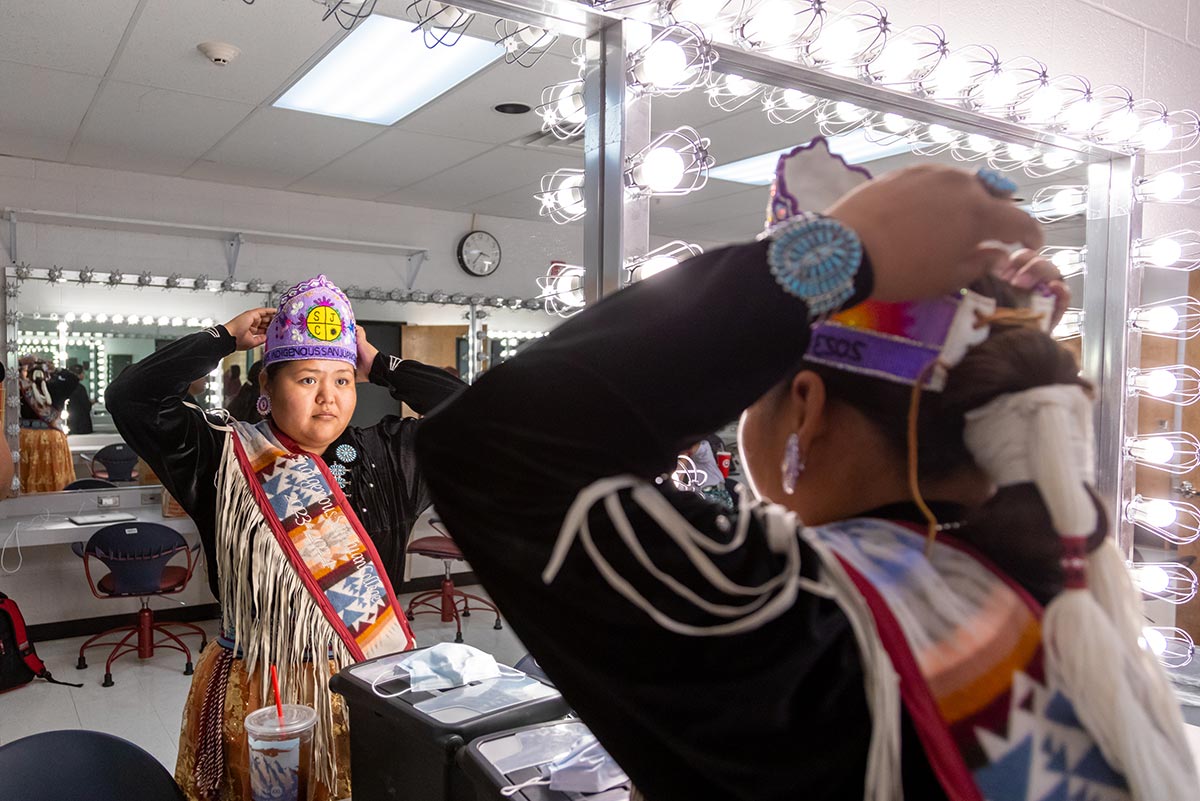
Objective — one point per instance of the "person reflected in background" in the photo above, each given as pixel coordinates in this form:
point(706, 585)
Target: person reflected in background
point(231, 385)
point(7, 469)
point(244, 405)
point(45, 456)
point(79, 404)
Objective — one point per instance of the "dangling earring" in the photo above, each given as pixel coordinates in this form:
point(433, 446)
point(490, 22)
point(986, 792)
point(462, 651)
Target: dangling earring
point(263, 405)
point(793, 463)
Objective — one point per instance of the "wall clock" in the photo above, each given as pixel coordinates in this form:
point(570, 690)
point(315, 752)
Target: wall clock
point(479, 253)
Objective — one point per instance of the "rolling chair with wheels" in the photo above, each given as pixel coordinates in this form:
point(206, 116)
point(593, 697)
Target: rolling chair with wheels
point(450, 602)
point(55, 765)
point(116, 462)
point(90, 484)
point(137, 554)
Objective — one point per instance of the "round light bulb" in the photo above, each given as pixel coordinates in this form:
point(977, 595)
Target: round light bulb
point(738, 86)
point(1164, 252)
point(840, 41)
point(1082, 115)
point(1122, 126)
point(570, 104)
point(531, 35)
point(1159, 319)
point(1154, 640)
point(1155, 512)
point(1020, 153)
point(940, 134)
point(655, 265)
point(771, 24)
point(1164, 187)
point(952, 76)
point(1159, 383)
point(164, 320)
point(663, 64)
point(1001, 89)
point(70, 317)
point(568, 288)
point(662, 170)
point(697, 11)
point(207, 322)
point(895, 123)
point(1067, 201)
point(1152, 579)
point(980, 143)
point(1045, 104)
point(1157, 135)
point(63, 326)
point(569, 195)
point(118, 319)
point(898, 61)
point(848, 111)
point(796, 100)
point(1066, 259)
point(102, 318)
point(1057, 159)
point(176, 321)
point(1155, 450)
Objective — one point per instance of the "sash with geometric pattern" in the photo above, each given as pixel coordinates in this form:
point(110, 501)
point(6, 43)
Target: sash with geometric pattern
point(966, 642)
point(323, 540)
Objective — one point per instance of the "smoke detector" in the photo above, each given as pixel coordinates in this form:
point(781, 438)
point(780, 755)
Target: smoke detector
point(219, 53)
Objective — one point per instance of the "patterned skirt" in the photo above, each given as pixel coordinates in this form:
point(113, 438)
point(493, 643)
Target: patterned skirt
point(214, 758)
point(45, 464)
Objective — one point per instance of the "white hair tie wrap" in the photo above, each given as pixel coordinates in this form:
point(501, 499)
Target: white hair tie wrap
point(1044, 436)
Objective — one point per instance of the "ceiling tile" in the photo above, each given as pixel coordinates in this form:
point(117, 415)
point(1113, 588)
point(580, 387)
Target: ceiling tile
point(289, 143)
point(276, 39)
point(64, 34)
point(40, 109)
point(467, 111)
point(495, 172)
point(387, 163)
point(152, 130)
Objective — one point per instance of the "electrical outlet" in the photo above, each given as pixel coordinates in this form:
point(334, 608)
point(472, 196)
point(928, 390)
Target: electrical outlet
point(108, 501)
point(151, 499)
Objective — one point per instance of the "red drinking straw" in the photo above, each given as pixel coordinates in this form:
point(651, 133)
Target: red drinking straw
point(278, 700)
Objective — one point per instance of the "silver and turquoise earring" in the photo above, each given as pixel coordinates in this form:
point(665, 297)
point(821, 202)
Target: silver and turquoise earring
point(793, 464)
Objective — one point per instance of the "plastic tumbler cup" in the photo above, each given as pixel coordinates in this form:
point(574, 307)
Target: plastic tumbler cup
point(280, 752)
point(724, 462)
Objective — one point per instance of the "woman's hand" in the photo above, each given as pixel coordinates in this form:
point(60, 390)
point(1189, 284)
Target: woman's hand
point(250, 327)
point(932, 229)
point(1028, 270)
point(366, 356)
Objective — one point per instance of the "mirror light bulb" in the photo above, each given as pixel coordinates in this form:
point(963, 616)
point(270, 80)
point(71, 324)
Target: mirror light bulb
point(796, 100)
point(662, 170)
point(952, 76)
point(663, 64)
point(1001, 89)
point(697, 11)
point(530, 35)
point(1020, 153)
point(1157, 135)
point(1082, 115)
point(1067, 201)
point(1057, 159)
point(738, 86)
point(1152, 579)
point(980, 143)
point(1159, 319)
point(848, 111)
point(1164, 252)
point(568, 288)
point(771, 24)
point(895, 123)
point(1122, 126)
point(1159, 383)
point(1066, 259)
point(1155, 512)
point(940, 134)
point(570, 104)
point(1154, 641)
point(1045, 104)
point(1165, 186)
point(102, 318)
point(1155, 450)
point(840, 41)
point(898, 60)
point(655, 265)
point(569, 195)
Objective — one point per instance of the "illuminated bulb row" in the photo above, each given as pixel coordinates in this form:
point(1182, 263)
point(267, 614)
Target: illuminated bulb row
point(1177, 318)
point(1175, 521)
point(1173, 646)
point(1166, 581)
point(1175, 452)
point(677, 60)
point(1177, 384)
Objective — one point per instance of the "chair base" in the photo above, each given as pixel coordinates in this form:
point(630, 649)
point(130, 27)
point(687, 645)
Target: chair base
point(144, 630)
point(452, 604)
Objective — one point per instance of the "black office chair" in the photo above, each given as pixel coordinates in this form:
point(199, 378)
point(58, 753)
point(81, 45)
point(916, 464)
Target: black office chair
point(90, 484)
point(116, 462)
point(77, 763)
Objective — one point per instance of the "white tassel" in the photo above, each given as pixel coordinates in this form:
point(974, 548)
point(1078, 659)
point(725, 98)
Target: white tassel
point(1091, 663)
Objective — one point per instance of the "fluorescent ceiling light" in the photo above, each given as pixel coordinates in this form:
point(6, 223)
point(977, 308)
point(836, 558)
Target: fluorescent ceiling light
point(854, 147)
point(382, 71)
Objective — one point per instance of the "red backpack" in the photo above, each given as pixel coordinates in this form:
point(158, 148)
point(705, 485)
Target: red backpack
point(19, 663)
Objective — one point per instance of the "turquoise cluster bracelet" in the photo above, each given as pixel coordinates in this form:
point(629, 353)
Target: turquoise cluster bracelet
point(815, 259)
